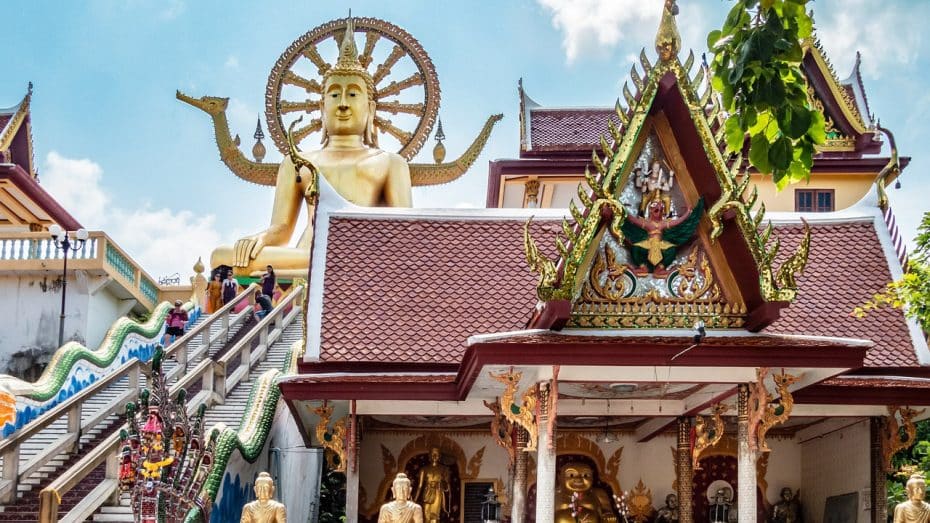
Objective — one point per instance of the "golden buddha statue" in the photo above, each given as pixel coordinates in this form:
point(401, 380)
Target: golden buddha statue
point(401, 510)
point(915, 509)
point(264, 509)
point(577, 499)
point(433, 488)
point(350, 160)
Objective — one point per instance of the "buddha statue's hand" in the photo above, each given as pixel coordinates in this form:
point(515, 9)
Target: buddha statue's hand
point(247, 249)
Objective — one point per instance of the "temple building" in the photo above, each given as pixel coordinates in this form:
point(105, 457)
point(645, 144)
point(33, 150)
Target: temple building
point(638, 327)
point(636, 315)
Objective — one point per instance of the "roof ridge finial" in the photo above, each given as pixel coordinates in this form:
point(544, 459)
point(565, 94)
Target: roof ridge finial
point(668, 40)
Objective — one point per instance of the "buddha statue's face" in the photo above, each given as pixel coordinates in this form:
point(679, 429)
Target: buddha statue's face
point(346, 105)
point(401, 489)
point(264, 490)
point(434, 456)
point(577, 477)
point(916, 490)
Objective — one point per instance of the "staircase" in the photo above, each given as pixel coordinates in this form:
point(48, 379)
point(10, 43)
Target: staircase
point(229, 413)
point(69, 453)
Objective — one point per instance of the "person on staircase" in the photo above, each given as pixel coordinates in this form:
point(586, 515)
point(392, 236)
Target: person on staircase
point(176, 321)
point(268, 282)
point(230, 288)
point(215, 293)
point(264, 301)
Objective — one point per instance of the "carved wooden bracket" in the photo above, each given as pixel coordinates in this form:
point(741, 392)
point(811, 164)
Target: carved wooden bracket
point(706, 437)
point(334, 441)
point(523, 415)
point(893, 439)
point(766, 412)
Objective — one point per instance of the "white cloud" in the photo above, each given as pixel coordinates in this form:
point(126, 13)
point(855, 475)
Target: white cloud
point(888, 36)
point(232, 62)
point(595, 26)
point(75, 183)
point(162, 240)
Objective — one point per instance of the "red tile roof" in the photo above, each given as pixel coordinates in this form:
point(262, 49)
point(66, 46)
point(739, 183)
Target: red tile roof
point(414, 290)
point(846, 267)
point(568, 129)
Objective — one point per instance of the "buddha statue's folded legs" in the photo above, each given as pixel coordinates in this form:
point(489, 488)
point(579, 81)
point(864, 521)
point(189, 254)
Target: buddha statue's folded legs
point(289, 262)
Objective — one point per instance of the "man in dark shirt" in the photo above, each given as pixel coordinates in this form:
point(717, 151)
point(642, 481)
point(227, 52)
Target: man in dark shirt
point(263, 301)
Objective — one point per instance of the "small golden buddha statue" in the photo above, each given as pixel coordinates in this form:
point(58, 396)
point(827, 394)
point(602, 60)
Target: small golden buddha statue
point(577, 499)
point(350, 160)
point(915, 509)
point(401, 510)
point(433, 488)
point(264, 509)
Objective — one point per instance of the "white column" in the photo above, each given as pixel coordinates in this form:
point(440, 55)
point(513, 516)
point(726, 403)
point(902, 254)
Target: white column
point(352, 469)
point(746, 465)
point(518, 506)
point(545, 462)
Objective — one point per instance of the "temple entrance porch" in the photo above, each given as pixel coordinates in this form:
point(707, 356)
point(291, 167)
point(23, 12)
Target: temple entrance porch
point(816, 462)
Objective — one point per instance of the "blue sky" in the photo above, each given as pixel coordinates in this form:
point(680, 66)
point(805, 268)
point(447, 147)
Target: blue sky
point(115, 146)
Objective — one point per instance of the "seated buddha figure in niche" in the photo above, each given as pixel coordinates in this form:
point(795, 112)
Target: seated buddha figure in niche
point(350, 160)
point(577, 499)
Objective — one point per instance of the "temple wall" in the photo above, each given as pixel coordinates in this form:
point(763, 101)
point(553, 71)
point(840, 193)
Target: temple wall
point(848, 189)
point(32, 305)
point(835, 464)
point(784, 468)
point(296, 468)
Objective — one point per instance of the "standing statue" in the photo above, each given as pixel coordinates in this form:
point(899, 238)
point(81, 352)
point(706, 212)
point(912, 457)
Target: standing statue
point(264, 509)
point(668, 513)
point(433, 488)
point(788, 508)
point(654, 183)
point(350, 160)
point(915, 509)
point(719, 511)
point(401, 510)
point(577, 499)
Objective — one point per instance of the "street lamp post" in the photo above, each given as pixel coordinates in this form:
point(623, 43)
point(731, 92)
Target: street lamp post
point(64, 243)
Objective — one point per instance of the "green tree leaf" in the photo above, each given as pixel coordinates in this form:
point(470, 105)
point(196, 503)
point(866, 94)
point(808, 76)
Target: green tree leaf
point(735, 134)
point(759, 153)
point(780, 153)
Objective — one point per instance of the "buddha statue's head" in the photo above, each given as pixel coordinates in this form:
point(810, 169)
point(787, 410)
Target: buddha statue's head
point(434, 455)
point(401, 487)
point(264, 487)
point(916, 488)
point(577, 477)
point(348, 102)
point(786, 494)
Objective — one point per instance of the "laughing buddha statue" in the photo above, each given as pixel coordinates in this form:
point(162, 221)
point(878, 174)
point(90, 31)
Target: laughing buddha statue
point(350, 160)
point(577, 499)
